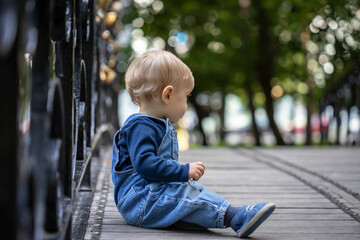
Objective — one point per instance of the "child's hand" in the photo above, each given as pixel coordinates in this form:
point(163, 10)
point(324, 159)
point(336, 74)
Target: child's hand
point(196, 170)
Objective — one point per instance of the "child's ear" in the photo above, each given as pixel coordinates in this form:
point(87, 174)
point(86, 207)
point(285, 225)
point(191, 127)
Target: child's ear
point(166, 94)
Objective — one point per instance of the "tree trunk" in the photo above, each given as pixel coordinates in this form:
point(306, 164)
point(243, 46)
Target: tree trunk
point(338, 122)
point(249, 90)
point(351, 103)
point(324, 126)
point(252, 110)
point(264, 66)
point(222, 132)
point(357, 100)
point(270, 114)
point(201, 113)
point(309, 109)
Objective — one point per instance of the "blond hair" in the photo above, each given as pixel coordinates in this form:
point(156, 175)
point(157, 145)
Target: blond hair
point(150, 73)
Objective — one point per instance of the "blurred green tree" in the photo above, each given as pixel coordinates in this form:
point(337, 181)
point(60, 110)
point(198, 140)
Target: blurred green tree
point(268, 47)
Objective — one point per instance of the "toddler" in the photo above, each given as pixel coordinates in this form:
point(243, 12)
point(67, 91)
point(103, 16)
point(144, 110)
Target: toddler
point(152, 189)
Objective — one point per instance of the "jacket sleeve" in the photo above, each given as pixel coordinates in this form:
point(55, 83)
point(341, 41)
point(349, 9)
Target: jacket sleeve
point(142, 145)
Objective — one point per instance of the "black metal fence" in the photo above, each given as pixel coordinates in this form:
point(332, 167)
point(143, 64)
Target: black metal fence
point(53, 112)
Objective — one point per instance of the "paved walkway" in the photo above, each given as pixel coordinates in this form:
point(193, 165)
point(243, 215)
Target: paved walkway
point(316, 191)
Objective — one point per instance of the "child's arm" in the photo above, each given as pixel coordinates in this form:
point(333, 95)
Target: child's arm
point(143, 141)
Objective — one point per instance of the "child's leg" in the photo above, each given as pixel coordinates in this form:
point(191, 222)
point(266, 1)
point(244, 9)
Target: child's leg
point(229, 215)
point(162, 205)
point(188, 202)
point(243, 221)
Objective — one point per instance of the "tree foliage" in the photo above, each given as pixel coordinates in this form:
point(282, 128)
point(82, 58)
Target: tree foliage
point(270, 48)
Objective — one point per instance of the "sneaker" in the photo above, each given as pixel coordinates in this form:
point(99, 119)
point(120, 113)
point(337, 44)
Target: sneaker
point(250, 217)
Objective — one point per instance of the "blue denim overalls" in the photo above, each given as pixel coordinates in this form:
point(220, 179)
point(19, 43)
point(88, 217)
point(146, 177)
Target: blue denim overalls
point(161, 204)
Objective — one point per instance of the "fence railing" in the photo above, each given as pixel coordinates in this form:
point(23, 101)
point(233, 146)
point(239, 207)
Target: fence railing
point(52, 113)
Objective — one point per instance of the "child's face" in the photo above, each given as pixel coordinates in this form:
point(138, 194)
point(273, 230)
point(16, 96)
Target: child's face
point(178, 103)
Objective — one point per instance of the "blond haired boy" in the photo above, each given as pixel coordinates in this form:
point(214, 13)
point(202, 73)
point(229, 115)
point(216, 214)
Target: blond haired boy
point(151, 188)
